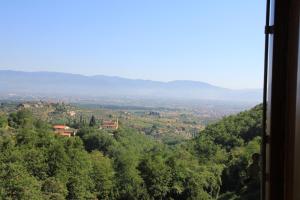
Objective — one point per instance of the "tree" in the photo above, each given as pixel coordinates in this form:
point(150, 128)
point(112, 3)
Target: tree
point(156, 174)
point(25, 119)
point(92, 121)
point(3, 120)
point(129, 181)
point(98, 141)
point(16, 183)
point(35, 162)
point(191, 180)
point(103, 175)
point(77, 189)
point(79, 184)
point(54, 189)
point(57, 161)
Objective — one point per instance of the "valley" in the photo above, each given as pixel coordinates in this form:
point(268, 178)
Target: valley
point(169, 125)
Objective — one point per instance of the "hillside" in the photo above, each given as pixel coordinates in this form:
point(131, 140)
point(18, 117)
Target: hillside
point(127, 165)
point(240, 137)
point(65, 85)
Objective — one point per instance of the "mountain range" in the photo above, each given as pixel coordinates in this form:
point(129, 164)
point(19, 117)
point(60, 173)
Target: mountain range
point(99, 86)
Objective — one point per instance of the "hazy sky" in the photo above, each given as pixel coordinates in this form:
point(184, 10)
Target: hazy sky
point(216, 41)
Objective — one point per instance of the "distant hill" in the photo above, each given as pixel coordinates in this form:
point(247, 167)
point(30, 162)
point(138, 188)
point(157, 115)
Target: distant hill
point(64, 84)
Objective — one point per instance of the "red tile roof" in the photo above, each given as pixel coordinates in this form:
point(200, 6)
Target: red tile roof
point(59, 126)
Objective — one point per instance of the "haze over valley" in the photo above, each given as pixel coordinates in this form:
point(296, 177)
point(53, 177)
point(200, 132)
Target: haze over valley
point(116, 90)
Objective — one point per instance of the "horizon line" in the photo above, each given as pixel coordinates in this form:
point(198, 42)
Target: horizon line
point(117, 76)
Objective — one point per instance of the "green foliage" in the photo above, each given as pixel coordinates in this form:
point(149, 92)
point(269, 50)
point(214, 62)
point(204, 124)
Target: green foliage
point(17, 183)
point(98, 140)
point(92, 121)
point(21, 119)
point(35, 163)
point(235, 130)
point(60, 108)
point(234, 138)
point(53, 189)
point(3, 120)
point(156, 174)
point(103, 175)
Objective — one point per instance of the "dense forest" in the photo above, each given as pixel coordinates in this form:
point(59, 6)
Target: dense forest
point(36, 163)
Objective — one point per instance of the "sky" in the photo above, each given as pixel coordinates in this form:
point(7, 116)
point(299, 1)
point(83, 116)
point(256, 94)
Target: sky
point(218, 42)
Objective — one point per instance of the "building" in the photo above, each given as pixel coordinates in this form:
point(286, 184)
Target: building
point(110, 124)
point(23, 106)
point(64, 130)
point(71, 113)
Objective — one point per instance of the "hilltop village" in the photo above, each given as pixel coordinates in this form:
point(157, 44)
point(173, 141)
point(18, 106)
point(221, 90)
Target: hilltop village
point(68, 112)
point(167, 125)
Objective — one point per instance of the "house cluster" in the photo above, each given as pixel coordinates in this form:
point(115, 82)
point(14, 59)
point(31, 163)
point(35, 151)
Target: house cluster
point(64, 130)
point(71, 113)
point(32, 104)
point(110, 124)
